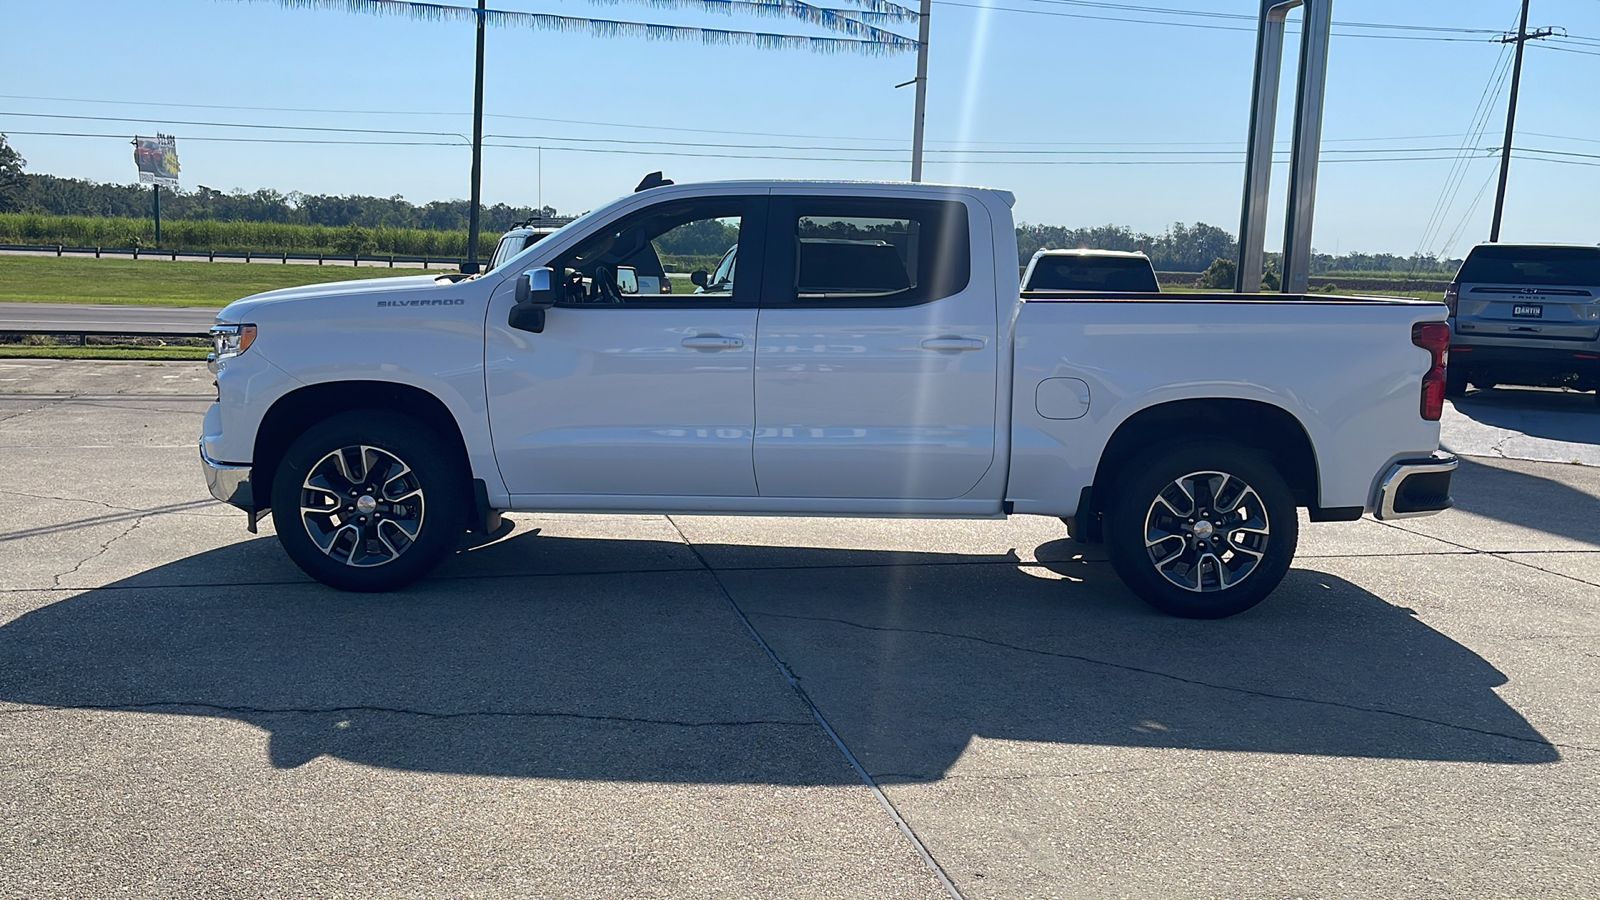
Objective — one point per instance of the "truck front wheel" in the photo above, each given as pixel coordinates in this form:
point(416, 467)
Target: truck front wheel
point(1204, 530)
point(368, 501)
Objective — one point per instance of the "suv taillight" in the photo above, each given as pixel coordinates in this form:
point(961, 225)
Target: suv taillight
point(1452, 296)
point(1433, 337)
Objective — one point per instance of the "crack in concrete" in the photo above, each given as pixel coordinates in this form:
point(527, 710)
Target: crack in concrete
point(1505, 555)
point(122, 513)
point(789, 676)
point(50, 403)
point(101, 552)
point(240, 710)
point(71, 500)
point(910, 777)
point(1194, 682)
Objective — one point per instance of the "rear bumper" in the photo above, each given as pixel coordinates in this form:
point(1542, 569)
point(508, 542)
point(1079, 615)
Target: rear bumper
point(1417, 487)
point(228, 482)
point(1532, 364)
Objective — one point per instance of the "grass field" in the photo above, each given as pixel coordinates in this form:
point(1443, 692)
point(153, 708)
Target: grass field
point(95, 351)
point(125, 282)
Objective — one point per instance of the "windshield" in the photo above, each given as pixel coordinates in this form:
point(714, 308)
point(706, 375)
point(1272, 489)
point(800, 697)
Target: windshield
point(722, 281)
point(510, 246)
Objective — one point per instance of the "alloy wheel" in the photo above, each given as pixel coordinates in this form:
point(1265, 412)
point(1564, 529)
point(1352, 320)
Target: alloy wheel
point(1206, 531)
point(362, 506)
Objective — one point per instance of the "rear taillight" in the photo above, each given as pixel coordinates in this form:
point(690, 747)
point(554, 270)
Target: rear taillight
point(1452, 297)
point(1433, 337)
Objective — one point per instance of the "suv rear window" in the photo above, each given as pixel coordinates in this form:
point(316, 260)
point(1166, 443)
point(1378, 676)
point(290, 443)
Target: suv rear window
point(1532, 265)
point(1093, 273)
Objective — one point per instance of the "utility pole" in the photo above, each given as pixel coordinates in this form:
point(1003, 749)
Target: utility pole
point(1522, 38)
point(922, 89)
point(471, 267)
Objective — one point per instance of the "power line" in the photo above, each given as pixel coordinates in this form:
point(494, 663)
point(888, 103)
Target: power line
point(319, 128)
point(1167, 10)
point(746, 156)
point(1476, 129)
point(245, 140)
point(1241, 29)
point(739, 146)
point(677, 128)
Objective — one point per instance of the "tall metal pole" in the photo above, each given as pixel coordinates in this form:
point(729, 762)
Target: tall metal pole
point(1316, 34)
point(1511, 125)
point(1312, 86)
point(922, 90)
point(1258, 153)
point(471, 267)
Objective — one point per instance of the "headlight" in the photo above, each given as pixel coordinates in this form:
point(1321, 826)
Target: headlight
point(229, 341)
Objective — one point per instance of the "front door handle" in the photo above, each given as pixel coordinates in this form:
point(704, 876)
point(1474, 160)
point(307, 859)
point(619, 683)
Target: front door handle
point(952, 343)
point(713, 342)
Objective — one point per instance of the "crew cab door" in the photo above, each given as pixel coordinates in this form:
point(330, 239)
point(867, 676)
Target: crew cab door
point(876, 349)
point(640, 393)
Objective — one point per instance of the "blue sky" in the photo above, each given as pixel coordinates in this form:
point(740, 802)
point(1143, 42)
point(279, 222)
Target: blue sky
point(1005, 75)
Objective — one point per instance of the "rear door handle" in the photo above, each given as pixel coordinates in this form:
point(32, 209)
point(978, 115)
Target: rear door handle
point(952, 343)
point(713, 342)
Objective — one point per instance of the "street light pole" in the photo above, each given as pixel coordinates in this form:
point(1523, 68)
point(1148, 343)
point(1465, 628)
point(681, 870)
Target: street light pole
point(922, 90)
point(473, 224)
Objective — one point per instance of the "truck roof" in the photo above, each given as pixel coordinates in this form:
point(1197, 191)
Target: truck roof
point(832, 186)
point(1115, 254)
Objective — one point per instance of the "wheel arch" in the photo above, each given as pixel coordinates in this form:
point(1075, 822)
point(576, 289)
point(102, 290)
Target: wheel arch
point(1250, 423)
point(295, 412)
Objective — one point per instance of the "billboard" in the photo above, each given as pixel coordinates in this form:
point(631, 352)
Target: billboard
point(157, 159)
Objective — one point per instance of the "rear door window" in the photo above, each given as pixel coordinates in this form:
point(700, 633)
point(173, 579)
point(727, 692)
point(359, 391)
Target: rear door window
point(1532, 265)
point(867, 252)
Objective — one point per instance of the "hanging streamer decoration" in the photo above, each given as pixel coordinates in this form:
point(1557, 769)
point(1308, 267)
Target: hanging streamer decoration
point(880, 42)
point(827, 17)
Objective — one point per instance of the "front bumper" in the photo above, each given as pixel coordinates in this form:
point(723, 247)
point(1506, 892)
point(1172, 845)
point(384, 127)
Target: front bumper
point(1417, 487)
point(228, 482)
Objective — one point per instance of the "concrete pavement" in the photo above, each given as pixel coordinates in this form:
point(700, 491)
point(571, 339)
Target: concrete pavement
point(579, 708)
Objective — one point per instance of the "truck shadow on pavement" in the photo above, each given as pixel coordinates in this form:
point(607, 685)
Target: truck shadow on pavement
point(1570, 416)
point(633, 665)
point(1525, 500)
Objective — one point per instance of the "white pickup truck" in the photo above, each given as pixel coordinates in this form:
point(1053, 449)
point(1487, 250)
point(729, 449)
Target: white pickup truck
point(873, 357)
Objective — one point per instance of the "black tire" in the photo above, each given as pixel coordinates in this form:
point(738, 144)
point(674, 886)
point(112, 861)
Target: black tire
point(1455, 383)
point(400, 469)
point(1193, 573)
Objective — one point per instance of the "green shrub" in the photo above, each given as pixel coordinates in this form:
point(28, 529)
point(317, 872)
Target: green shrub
point(203, 235)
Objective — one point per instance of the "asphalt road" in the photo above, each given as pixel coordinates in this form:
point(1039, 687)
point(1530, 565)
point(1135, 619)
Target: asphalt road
point(257, 260)
point(106, 319)
point(633, 706)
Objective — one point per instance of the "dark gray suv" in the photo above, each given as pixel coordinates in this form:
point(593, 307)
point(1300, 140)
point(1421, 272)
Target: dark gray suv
point(1525, 314)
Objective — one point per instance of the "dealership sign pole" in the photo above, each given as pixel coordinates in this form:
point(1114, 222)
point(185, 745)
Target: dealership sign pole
point(1315, 35)
point(157, 159)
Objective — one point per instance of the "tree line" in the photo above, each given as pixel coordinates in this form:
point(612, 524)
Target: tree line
point(1195, 248)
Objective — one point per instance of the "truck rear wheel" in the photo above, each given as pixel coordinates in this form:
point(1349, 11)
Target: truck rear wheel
point(368, 501)
point(1203, 531)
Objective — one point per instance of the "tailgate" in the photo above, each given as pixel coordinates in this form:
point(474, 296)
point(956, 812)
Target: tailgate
point(1546, 312)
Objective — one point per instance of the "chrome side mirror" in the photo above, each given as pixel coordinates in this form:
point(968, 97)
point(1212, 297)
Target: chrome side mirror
point(535, 294)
